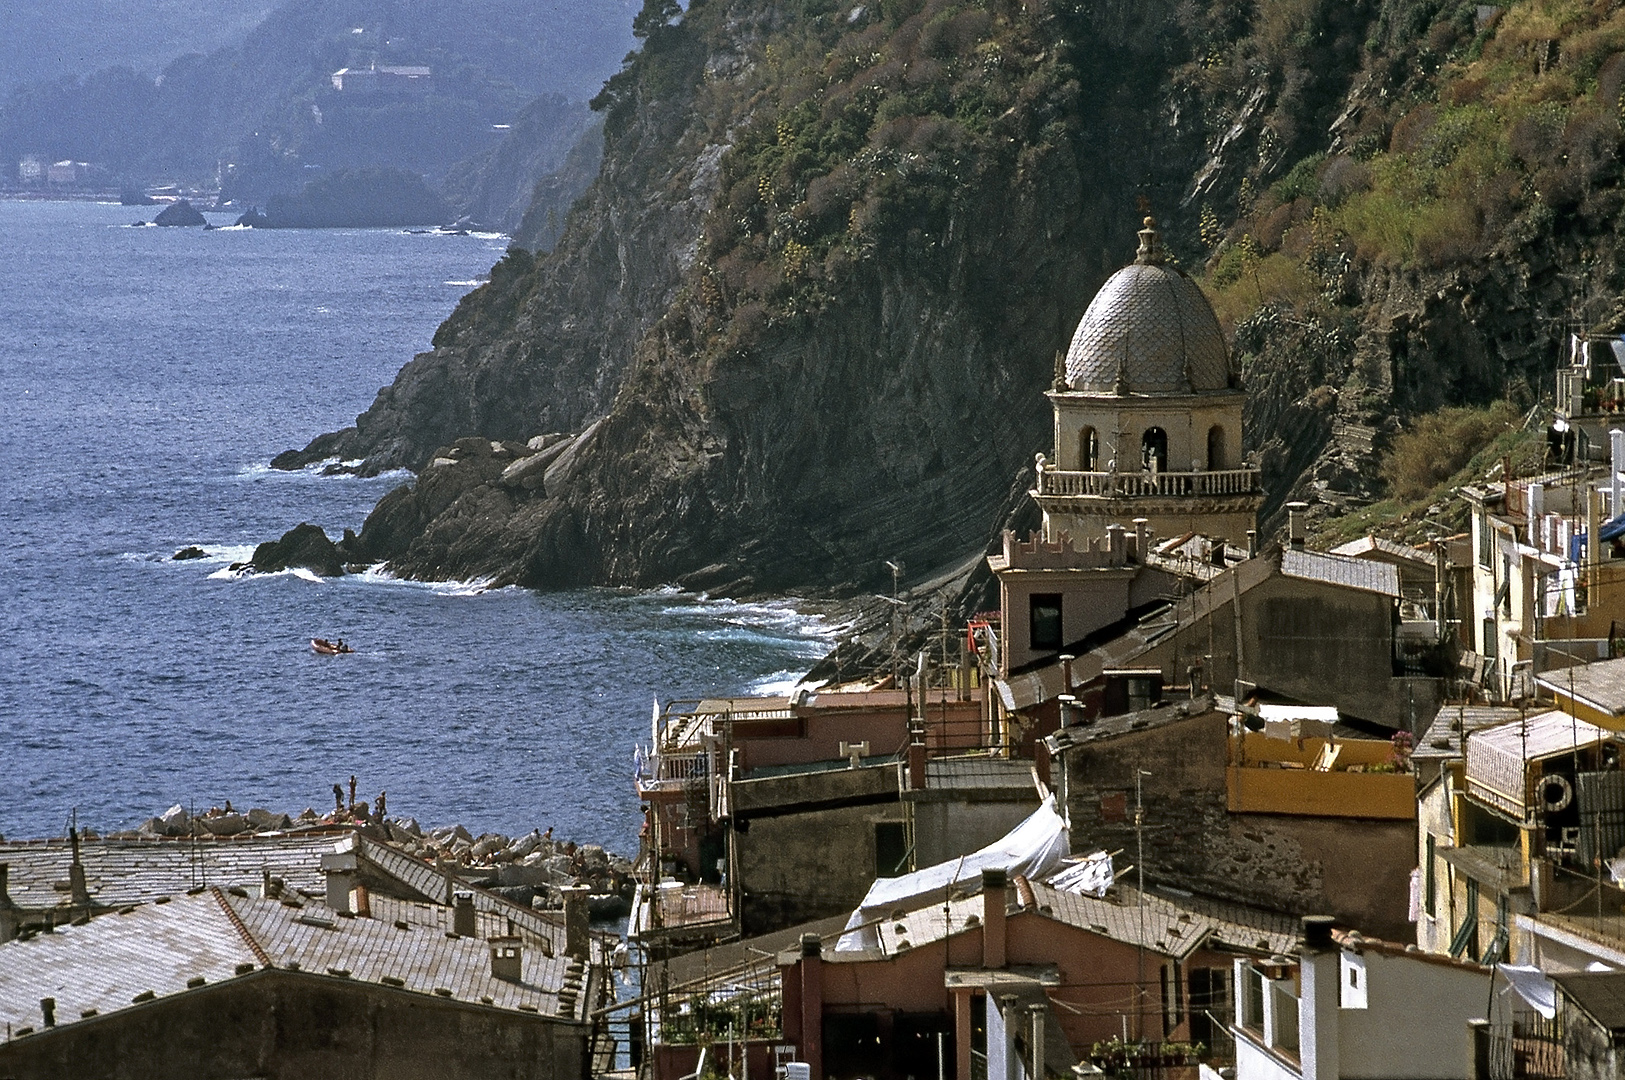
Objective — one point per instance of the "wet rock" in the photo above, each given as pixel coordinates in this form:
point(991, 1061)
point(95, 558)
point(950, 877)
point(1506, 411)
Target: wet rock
point(185, 553)
point(180, 213)
point(305, 546)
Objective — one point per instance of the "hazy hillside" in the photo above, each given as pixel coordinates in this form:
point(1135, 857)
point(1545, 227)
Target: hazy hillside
point(267, 104)
point(47, 39)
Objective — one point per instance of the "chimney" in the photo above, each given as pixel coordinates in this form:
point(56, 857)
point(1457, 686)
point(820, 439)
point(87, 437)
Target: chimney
point(1066, 672)
point(363, 902)
point(812, 1004)
point(506, 958)
point(464, 921)
point(576, 940)
point(1142, 538)
point(76, 873)
point(1616, 463)
point(1012, 1031)
point(993, 899)
point(1252, 543)
point(916, 760)
point(9, 919)
point(1115, 546)
point(1319, 999)
point(1035, 1041)
point(340, 869)
point(1294, 524)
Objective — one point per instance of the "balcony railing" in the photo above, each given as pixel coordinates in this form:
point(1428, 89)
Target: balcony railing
point(1121, 485)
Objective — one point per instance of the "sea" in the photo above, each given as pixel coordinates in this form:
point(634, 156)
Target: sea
point(147, 376)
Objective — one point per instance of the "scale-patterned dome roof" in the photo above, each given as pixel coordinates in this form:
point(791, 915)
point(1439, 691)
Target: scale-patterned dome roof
point(1149, 330)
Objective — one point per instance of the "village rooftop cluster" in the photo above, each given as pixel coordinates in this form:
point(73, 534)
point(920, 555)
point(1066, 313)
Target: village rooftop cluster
point(1187, 805)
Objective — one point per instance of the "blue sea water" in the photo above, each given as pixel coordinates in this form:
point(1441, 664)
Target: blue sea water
point(147, 376)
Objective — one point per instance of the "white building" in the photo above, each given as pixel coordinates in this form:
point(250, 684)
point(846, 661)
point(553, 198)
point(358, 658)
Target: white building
point(1353, 1008)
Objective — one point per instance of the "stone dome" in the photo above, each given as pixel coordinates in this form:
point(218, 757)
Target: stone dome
point(1149, 330)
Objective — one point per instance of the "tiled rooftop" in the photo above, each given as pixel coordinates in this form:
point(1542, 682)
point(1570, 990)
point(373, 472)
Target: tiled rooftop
point(214, 935)
point(120, 872)
point(1164, 925)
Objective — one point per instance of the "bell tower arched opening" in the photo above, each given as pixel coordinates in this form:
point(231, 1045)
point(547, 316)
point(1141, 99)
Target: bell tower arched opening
point(1154, 450)
point(1215, 448)
point(1088, 450)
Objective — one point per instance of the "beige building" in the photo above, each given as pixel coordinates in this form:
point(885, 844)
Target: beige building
point(1148, 414)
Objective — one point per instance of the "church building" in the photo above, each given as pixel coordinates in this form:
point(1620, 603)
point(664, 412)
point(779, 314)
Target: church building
point(1148, 450)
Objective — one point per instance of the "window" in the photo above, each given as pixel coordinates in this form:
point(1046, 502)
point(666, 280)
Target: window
point(1252, 1002)
point(1088, 450)
point(1154, 450)
point(1486, 643)
point(1044, 624)
point(1486, 545)
point(891, 849)
point(1215, 448)
point(1430, 879)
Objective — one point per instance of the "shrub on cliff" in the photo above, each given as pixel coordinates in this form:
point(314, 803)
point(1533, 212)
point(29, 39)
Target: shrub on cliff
point(1436, 446)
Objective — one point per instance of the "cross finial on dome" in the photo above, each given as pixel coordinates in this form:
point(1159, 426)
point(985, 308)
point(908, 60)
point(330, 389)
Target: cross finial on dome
point(1150, 253)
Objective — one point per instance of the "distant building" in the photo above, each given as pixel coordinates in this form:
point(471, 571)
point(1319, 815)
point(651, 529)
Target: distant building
point(31, 170)
point(383, 79)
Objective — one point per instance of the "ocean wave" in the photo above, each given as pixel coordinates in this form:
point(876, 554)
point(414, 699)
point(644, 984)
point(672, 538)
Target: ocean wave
point(378, 575)
point(779, 617)
point(232, 228)
point(261, 470)
point(470, 284)
point(778, 684)
point(213, 555)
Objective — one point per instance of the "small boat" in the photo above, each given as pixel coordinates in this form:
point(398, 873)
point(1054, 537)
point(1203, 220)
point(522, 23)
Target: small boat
point(329, 648)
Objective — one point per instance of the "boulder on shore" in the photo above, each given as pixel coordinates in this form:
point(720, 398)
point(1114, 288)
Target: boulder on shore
point(305, 545)
point(180, 213)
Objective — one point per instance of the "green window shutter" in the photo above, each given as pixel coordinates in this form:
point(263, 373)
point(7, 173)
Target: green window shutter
point(1467, 932)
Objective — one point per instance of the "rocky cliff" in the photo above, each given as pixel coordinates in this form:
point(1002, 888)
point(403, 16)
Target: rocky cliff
point(804, 318)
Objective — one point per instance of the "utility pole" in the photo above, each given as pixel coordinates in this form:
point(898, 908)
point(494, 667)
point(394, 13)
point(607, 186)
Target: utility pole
point(896, 567)
point(1139, 871)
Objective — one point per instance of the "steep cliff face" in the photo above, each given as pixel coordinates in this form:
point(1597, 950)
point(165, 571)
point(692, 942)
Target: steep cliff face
point(805, 317)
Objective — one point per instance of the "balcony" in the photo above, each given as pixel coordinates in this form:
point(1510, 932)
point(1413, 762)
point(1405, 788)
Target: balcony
point(1224, 483)
point(1358, 778)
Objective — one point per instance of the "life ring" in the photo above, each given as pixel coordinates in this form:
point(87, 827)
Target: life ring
point(1565, 792)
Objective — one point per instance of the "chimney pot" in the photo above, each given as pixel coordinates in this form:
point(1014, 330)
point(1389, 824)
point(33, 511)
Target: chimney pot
point(463, 920)
point(1252, 543)
point(576, 938)
point(993, 918)
point(1295, 523)
point(1317, 932)
point(811, 945)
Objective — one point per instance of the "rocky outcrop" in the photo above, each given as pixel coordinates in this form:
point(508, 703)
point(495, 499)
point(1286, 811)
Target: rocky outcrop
point(180, 213)
point(358, 199)
point(305, 546)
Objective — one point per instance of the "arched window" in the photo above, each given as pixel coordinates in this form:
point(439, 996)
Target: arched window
point(1154, 450)
point(1088, 450)
point(1215, 448)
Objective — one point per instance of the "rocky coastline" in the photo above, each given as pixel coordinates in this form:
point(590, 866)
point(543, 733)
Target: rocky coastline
point(529, 868)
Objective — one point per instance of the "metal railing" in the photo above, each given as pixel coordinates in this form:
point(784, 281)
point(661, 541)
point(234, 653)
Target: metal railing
point(1108, 485)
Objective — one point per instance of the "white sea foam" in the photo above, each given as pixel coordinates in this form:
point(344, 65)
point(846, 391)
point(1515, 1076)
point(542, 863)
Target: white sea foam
point(261, 470)
point(471, 284)
point(378, 575)
point(780, 683)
